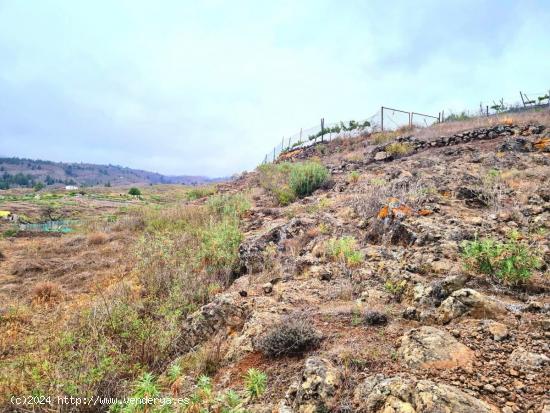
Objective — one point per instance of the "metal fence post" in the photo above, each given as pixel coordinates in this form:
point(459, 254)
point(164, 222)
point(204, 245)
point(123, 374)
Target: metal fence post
point(382, 118)
point(322, 129)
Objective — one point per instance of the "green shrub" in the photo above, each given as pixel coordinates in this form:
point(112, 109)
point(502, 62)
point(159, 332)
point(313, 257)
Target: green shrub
point(134, 191)
point(255, 382)
point(219, 249)
point(200, 192)
point(287, 181)
point(354, 177)
point(306, 177)
point(510, 262)
point(345, 249)
point(228, 205)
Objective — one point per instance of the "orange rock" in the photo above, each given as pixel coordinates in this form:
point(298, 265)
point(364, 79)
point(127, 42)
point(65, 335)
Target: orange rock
point(402, 211)
point(543, 143)
point(384, 212)
point(425, 212)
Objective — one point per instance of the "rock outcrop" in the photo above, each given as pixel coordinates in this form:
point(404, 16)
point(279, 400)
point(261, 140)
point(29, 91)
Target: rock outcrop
point(429, 347)
point(471, 303)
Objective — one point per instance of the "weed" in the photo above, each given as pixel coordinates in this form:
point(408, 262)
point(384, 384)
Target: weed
point(354, 177)
point(511, 262)
point(345, 249)
point(255, 382)
point(200, 192)
point(228, 205)
point(395, 288)
point(398, 148)
point(306, 177)
point(46, 292)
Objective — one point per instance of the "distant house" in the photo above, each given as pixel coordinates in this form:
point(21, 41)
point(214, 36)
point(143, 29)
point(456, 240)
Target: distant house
point(71, 188)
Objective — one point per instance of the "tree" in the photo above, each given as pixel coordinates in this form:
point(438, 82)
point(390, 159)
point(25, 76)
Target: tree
point(134, 191)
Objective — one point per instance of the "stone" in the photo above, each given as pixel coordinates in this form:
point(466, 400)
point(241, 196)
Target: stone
point(472, 303)
point(375, 318)
point(499, 331)
point(526, 360)
point(382, 156)
point(429, 347)
point(317, 389)
point(403, 395)
point(267, 288)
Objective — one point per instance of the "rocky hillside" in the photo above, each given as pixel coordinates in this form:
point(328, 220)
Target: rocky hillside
point(402, 272)
point(20, 172)
point(414, 280)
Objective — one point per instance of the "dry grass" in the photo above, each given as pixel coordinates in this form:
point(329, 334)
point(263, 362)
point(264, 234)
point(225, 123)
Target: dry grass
point(450, 128)
point(46, 292)
point(97, 238)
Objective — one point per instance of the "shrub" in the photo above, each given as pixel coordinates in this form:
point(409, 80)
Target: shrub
point(134, 191)
point(292, 336)
point(398, 148)
point(354, 177)
point(229, 205)
point(287, 181)
point(97, 238)
point(306, 177)
point(255, 382)
point(200, 192)
point(219, 249)
point(375, 318)
point(510, 262)
point(345, 249)
point(46, 292)
point(396, 288)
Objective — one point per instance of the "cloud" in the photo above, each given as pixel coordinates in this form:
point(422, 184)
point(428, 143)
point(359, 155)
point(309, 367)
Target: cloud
point(209, 87)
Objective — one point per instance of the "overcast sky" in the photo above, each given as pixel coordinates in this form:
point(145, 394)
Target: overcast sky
point(208, 87)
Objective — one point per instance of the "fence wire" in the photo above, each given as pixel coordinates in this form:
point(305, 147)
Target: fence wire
point(388, 119)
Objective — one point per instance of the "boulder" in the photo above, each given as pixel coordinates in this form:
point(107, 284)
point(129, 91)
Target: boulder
point(528, 361)
point(316, 390)
point(471, 303)
point(225, 312)
point(429, 347)
point(402, 395)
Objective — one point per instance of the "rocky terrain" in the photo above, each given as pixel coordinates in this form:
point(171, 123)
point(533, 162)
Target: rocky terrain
point(409, 328)
point(412, 279)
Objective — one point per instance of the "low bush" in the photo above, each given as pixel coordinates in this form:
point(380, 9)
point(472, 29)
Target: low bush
point(353, 177)
point(398, 148)
point(292, 336)
point(255, 382)
point(345, 249)
point(375, 318)
point(200, 192)
point(287, 181)
point(306, 177)
point(511, 262)
point(134, 191)
point(46, 292)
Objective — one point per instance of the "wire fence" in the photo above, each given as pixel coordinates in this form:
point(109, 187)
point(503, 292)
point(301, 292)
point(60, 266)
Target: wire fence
point(391, 119)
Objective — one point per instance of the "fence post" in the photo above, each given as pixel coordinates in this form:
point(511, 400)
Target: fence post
point(410, 119)
point(382, 118)
point(322, 129)
point(487, 109)
point(289, 142)
point(273, 154)
point(443, 116)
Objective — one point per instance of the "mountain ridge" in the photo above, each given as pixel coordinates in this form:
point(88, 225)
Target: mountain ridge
point(25, 172)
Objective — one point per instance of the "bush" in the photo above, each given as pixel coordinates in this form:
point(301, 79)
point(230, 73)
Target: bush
point(398, 148)
point(229, 205)
point(292, 336)
point(510, 262)
point(287, 181)
point(46, 292)
point(375, 318)
point(306, 177)
point(354, 177)
point(345, 249)
point(200, 192)
point(255, 382)
point(134, 191)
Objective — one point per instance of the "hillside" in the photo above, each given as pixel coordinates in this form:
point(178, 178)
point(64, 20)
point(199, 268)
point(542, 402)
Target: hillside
point(395, 272)
point(28, 172)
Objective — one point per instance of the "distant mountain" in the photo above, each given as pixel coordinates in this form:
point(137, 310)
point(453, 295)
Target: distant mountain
point(21, 172)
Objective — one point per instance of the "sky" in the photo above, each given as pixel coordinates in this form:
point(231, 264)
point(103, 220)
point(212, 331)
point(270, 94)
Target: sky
point(209, 87)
